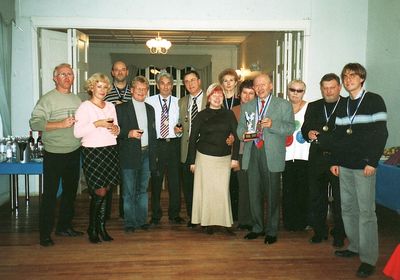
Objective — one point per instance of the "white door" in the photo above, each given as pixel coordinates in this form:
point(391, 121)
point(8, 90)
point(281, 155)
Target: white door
point(78, 56)
point(63, 47)
point(53, 50)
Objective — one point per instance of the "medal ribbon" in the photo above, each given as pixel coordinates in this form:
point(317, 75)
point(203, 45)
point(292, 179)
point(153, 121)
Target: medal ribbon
point(259, 142)
point(119, 94)
point(351, 118)
point(333, 111)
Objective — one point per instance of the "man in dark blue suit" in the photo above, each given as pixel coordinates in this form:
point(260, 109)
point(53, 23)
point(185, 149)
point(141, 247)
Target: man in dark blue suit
point(137, 153)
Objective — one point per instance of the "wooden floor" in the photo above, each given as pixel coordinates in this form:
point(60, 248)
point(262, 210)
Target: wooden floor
point(173, 251)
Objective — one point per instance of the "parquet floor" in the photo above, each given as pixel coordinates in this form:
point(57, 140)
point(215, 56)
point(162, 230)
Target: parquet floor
point(173, 251)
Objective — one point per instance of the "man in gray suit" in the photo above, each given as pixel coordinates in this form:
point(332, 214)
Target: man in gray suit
point(271, 120)
point(189, 106)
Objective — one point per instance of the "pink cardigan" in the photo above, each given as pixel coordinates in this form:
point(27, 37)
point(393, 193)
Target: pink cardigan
point(84, 128)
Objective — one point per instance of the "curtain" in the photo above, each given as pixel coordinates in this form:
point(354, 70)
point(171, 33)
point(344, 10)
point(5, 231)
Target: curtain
point(5, 75)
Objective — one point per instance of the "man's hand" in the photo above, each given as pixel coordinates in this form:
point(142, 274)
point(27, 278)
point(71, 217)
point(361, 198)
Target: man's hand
point(335, 170)
point(369, 170)
point(68, 122)
point(235, 164)
point(192, 168)
point(230, 140)
point(312, 135)
point(135, 133)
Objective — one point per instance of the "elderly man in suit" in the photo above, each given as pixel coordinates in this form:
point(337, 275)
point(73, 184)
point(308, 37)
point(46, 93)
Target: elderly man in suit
point(264, 124)
point(137, 153)
point(189, 106)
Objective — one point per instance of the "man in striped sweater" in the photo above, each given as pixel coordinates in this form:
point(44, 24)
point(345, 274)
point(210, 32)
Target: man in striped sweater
point(360, 137)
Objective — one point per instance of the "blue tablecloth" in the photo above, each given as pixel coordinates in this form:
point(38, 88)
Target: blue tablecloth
point(9, 168)
point(388, 186)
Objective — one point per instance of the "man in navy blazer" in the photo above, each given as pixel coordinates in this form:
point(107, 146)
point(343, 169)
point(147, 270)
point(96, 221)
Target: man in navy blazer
point(272, 119)
point(137, 153)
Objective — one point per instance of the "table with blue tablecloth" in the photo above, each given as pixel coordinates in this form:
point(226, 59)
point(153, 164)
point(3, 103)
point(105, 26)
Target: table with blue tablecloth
point(388, 186)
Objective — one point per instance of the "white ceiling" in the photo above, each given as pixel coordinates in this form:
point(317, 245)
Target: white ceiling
point(176, 37)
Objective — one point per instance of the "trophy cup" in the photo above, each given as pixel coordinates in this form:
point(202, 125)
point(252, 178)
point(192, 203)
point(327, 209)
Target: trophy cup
point(251, 133)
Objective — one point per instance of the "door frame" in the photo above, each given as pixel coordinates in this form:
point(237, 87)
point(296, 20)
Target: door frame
point(198, 25)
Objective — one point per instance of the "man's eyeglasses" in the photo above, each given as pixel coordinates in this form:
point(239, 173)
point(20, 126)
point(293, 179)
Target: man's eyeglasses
point(296, 90)
point(63, 75)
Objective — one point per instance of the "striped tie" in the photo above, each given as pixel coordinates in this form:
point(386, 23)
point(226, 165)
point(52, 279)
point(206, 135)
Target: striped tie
point(164, 120)
point(195, 110)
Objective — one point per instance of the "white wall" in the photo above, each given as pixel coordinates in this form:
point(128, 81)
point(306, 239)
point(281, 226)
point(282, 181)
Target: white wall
point(221, 56)
point(383, 60)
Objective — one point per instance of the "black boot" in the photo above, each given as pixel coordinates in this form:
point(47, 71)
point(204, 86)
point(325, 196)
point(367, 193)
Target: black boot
point(95, 203)
point(101, 221)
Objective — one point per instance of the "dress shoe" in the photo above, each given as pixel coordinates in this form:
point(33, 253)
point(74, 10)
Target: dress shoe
point(317, 239)
point(338, 243)
point(365, 270)
point(270, 239)
point(189, 224)
point(177, 220)
point(253, 235)
point(345, 253)
point(69, 232)
point(46, 242)
point(145, 226)
point(154, 222)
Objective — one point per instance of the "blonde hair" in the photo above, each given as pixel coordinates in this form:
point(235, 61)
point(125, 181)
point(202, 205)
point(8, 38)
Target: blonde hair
point(94, 79)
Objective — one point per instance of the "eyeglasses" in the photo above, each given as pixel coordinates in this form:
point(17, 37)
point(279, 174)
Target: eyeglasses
point(296, 90)
point(63, 75)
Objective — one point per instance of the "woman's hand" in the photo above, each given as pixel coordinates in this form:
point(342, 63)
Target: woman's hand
point(192, 168)
point(101, 192)
point(104, 123)
point(234, 164)
point(114, 130)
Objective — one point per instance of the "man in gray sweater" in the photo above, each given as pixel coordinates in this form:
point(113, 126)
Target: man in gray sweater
point(54, 116)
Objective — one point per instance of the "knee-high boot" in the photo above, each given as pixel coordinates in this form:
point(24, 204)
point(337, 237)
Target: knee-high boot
point(101, 221)
point(95, 203)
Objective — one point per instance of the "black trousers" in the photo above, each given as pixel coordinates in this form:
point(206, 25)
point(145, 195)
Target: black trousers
point(187, 187)
point(168, 161)
point(320, 180)
point(55, 167)
point(295, 194)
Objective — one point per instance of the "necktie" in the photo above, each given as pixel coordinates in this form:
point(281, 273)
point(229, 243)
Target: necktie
point(195, 110)
point(262, 107)
point(164, 120)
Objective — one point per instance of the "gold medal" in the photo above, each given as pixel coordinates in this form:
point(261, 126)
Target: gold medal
point(349, 131)
point(259, 126)
point(325, 128)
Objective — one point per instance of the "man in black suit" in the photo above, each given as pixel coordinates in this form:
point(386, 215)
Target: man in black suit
point(137, 153)
point(319, 122)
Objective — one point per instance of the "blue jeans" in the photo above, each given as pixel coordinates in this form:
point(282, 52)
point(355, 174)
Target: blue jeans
point(135, 182)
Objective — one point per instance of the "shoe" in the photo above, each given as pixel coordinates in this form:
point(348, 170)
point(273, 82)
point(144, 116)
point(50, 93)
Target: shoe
point(270, 239)
point(69, 232)
point(365, 270)
point(345, 253)
point(190, 225)
point(46, 242)
point(317, 239)
point(177, 220)
point(145, 226)
point(338, 243)
point(253, 235)
point(154, 222)
point(101, 220)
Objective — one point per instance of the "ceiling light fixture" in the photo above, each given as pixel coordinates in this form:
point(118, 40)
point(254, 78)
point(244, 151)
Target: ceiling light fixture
point(158, 45)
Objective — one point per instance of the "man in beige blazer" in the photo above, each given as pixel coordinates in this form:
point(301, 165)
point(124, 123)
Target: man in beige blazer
point(187, 108)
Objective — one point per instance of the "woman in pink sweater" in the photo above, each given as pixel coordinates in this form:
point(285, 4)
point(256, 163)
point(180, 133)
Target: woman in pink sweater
point(97, 125)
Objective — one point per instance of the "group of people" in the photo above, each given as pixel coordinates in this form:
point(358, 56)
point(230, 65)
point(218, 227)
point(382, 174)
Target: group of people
point(232, 146)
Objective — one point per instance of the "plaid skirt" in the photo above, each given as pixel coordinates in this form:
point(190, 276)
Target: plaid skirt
point(101, 166)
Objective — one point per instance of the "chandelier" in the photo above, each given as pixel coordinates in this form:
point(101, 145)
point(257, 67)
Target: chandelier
point(158, 45)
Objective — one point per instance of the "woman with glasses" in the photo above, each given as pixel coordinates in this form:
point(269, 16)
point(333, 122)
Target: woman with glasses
point(294, 178)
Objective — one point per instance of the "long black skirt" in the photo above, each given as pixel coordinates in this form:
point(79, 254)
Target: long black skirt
point(101, 166)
